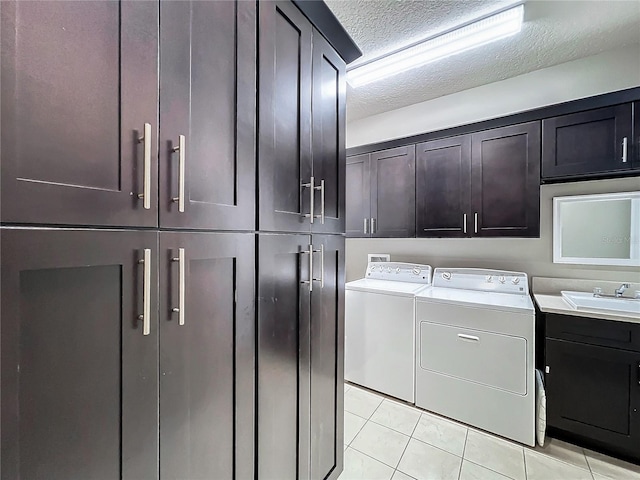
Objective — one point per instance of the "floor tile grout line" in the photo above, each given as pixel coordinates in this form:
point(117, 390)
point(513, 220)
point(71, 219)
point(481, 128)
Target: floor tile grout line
point(466, 435)
point(546, 455)
point(357, 433)
point(487, 468)
point(374, 458)
point(391, 428)
point(410, 437)
point(524, 461)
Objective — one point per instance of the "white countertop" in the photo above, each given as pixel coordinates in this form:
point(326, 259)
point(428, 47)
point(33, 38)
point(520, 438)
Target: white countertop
point(546, 293)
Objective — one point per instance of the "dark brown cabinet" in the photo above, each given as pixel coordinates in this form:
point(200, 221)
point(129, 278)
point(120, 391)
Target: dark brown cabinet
point(207, 368)
point(207, 115)
point(300, 356)
point(301, 155)
point(505, 181)
point(79, 368)
point(589, 143)
point(358, 196)
point(381, 194)
point(484, 184)
point(593, 382)
point(328, 137)
point(443, 196)
point(79, 83)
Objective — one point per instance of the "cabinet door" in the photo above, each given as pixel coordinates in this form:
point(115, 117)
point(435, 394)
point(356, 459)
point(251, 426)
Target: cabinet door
point(284, 158)
point(208, 82)
point(587, 143)
point(393, 192)
point(594, 392)
point(329, 104)
point(327, 358)
point(283, 357)
point(358, 208)
point(505, 181)
point(207, 355)
point(79, 82)
point(79, 375)
point(636, 135)
point(443, 193)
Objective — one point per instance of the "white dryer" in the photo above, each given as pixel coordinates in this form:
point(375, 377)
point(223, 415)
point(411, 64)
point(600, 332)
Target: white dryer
point(475, 350)
point(380, 327)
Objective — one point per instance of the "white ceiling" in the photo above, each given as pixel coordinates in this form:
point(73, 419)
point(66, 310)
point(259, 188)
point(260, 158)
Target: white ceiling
point(554, 32)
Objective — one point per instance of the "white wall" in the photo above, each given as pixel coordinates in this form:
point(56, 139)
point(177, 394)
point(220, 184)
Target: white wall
point(531, 255)
point(609, 71)
point(606, 72)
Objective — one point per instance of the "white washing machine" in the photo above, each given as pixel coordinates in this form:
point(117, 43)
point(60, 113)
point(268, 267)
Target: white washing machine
point(475, 348)
point(380, 327)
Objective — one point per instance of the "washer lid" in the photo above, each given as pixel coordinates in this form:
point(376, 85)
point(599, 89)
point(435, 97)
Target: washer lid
point(491, 300)
point(404, 289)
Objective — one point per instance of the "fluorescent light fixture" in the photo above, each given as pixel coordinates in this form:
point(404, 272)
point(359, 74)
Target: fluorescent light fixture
point(471, 35)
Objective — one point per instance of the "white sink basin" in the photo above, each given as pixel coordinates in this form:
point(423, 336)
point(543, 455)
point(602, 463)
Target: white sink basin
point(586, 301)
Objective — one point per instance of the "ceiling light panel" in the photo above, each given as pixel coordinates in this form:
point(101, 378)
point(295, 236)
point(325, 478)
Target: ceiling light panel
point(475, 34)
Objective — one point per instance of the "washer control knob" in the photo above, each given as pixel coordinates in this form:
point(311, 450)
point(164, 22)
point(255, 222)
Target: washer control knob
point(515, 280)
point(398, 270)
point(416, 270)
point(388, 269)
point(489, 278)
point(501, 279)
point(373, 268)
point(446, 275)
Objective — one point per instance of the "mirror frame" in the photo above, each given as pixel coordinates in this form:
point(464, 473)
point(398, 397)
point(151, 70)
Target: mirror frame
point(634, 252)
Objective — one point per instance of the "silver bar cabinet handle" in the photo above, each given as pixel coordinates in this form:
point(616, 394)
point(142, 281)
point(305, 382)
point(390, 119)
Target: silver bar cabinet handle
point(322, 264)
point(475, 222)
point(468, 337)
point(373, 226)
point(311, 187)
point(310, 281)
point(181, 161)
point(145, 139)
point(321, 188)
point(464, 223)
point(624, 150)
point(365, 226)
point(146, 292)
point(181, 302)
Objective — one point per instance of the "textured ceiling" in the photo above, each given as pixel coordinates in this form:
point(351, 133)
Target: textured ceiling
point(554, 32)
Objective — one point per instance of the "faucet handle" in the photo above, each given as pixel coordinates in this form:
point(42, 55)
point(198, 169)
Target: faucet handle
point(597, 291)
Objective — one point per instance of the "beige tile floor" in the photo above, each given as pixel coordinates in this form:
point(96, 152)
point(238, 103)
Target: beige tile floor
point(389, 440)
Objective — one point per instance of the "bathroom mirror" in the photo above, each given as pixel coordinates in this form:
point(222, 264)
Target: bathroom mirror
point(597, 229)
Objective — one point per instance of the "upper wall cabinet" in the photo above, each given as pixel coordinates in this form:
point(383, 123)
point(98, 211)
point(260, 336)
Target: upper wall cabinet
point(484, 185)
point(301, 156)
point(590, 143)
point(381, 193)
point(79, 112)
point(505, 181)
point(443, 178)
point(207, 115)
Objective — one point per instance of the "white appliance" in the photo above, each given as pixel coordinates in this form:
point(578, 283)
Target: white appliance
point(475, 348)
point(380, 327)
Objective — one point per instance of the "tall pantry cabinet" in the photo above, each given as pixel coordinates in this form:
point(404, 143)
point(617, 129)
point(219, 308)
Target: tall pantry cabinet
point(154, 324)
point(300, 304)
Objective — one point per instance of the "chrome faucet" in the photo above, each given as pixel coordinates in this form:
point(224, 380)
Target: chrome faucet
point(620, 291)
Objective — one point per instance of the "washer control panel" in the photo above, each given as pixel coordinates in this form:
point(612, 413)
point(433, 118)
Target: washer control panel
point(481, 279)
point(399, 272)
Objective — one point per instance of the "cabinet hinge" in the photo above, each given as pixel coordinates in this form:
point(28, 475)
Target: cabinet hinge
point(547, 369)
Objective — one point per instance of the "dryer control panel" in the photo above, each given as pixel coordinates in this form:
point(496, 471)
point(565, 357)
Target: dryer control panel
point(483, 280)
point(399, 272)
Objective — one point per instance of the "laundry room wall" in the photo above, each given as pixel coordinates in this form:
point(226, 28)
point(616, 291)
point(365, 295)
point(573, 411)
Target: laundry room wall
point(606, 72)
point(531, 255)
